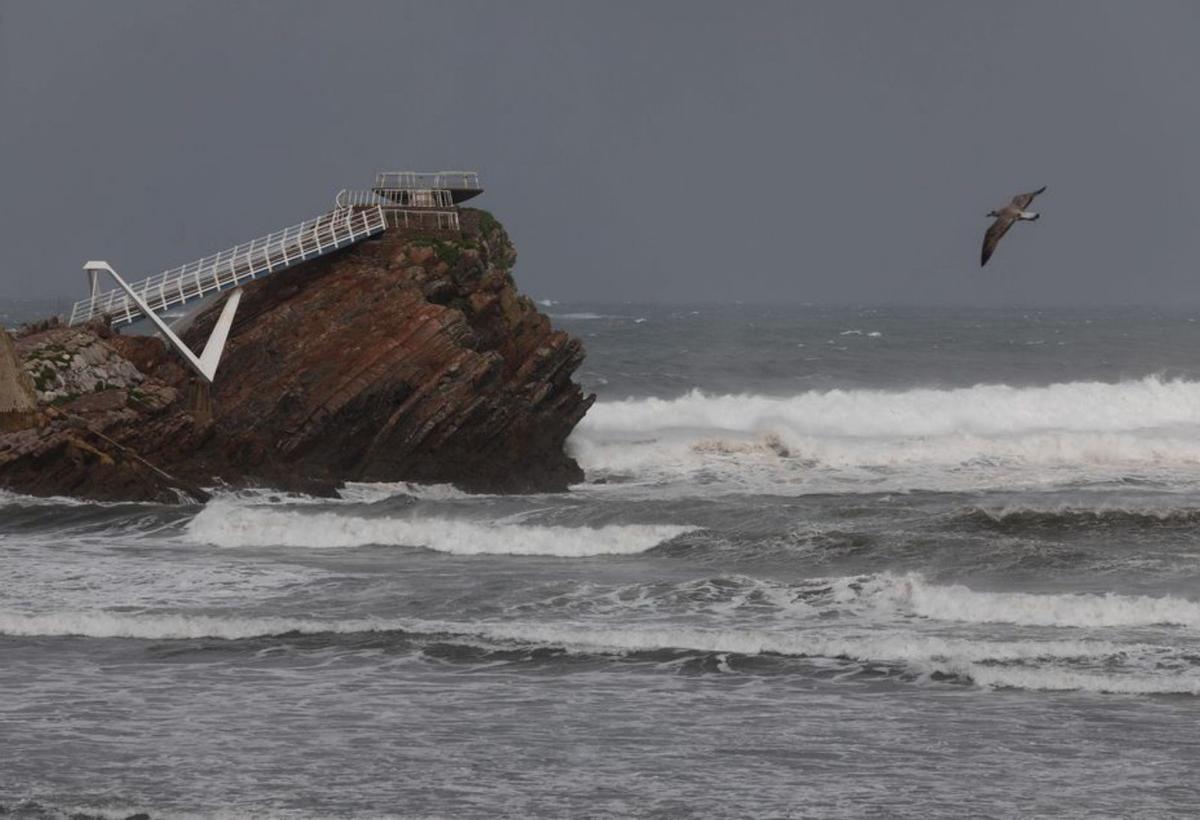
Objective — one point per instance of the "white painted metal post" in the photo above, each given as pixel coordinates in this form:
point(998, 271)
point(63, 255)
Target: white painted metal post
point(206, 364)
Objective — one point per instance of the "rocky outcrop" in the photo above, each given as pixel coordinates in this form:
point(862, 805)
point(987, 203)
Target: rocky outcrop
point(18, 402)
point(91, 396)
point(407, 357)
point(67, 363)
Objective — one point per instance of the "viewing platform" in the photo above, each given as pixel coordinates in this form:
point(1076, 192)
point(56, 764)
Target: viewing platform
point(460, 185)
point(413, 200)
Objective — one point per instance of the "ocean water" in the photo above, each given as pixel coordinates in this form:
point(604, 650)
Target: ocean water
point(826, 563)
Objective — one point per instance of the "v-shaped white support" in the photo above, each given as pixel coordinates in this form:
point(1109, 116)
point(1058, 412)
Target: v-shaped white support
point(210, 357)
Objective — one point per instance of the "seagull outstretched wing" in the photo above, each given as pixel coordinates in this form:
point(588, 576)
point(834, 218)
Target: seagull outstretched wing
point(1022, 201)
point(998, 229)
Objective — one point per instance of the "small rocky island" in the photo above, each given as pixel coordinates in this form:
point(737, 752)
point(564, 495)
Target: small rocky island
point(410, 356)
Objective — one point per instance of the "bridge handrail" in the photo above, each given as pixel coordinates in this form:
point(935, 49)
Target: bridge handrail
point(245, 261)
point(449, 180)
point(426, 198)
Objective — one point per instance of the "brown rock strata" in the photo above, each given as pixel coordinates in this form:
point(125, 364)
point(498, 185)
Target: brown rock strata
point(402, 358)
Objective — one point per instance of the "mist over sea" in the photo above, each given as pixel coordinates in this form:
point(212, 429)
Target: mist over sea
point(826, 562)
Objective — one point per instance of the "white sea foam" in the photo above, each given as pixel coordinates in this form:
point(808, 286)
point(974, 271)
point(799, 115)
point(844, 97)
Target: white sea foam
point(358, 492)
point(9, 498)
point(878, 645)
point(366, 492)
point(982, 410)
point(911, 594)
point(263, 495)
point(233, 525)
point(934, 438)
point(1086, 665)
point(1052, 679)
point(884, 599)
point(892, 646)
point(101, 624)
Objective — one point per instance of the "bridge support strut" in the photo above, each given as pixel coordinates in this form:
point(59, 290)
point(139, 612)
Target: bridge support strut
point(210, 357)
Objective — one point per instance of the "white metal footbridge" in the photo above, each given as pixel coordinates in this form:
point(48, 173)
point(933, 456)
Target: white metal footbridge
point(402, 199)
point(235, 266)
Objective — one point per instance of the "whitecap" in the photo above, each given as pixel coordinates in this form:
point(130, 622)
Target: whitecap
point(912, 594)
point(1051, 679)
point(232, 525)
point(1147, 427)
point(366, 492)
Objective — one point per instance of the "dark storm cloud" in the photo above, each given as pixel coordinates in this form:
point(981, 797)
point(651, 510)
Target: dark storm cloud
point(818, 152)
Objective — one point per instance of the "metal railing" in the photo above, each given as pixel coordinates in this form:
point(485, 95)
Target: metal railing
point(468, 180)
point(396, 198)
point(239, 264)
point(405, 219)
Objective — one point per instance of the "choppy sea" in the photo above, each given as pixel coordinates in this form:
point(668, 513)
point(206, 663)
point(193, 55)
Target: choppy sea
point(826, 563)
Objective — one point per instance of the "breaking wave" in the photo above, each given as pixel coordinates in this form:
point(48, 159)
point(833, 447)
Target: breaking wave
point(161, 627)
point(983, 410)
point(361, 492)
point(1087, 665)
point(912, 594)
point(886, 623)
point(1068, 680)
point(881, 645)
point(231, 525)
point(1152, 422)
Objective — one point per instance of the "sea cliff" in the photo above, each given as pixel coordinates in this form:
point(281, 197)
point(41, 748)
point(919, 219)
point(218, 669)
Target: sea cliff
point(409, 357)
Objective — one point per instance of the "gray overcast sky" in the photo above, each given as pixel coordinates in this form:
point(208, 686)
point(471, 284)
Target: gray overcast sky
point(826, 152)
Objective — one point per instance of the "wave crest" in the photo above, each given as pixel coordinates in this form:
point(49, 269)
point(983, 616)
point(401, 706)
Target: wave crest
point(227, 524)
point(939, 439)
point(982, 409)
point(912, 594)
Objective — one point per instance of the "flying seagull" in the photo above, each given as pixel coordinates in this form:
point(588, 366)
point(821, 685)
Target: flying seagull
point(1005, 217)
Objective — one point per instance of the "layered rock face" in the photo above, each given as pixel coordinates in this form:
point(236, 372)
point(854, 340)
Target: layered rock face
point(403, 358)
